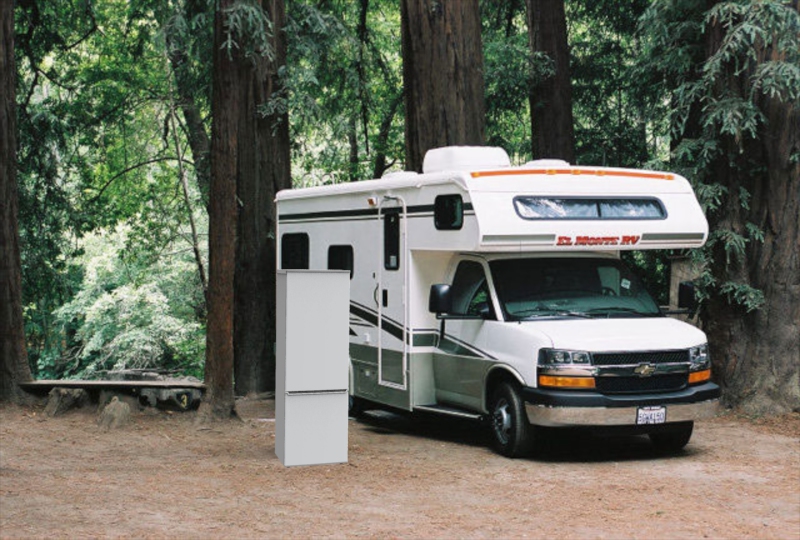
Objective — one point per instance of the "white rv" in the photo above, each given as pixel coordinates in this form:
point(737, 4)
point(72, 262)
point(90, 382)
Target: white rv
point(495, 292)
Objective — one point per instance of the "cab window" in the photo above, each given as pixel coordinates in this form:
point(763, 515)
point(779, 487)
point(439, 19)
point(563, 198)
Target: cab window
point(470, 291)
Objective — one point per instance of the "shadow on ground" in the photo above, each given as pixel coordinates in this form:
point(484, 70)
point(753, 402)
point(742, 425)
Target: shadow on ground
point(554, 445)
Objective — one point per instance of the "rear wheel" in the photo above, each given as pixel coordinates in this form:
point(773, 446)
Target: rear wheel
point(511, 432)
point(355, 406)
point(674, 439)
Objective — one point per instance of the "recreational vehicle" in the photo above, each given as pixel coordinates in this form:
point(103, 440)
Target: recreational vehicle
point(497, 292)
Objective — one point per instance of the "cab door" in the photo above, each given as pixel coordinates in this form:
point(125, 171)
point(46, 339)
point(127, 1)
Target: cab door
point(461, 363)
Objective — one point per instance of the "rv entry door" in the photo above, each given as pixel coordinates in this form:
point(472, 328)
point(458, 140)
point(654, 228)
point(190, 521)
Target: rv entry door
point(390, 295)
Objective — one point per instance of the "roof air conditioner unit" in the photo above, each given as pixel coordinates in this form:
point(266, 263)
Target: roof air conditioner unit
point(465, 158)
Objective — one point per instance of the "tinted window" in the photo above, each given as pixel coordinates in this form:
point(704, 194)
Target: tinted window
point(391, 239)
point(341, 258)
point(294, 251)
point(470, 291)
point(448, 212)
point(587, 208)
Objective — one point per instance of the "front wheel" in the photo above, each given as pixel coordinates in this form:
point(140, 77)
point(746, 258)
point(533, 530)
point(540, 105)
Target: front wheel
point(673, 440)
point(511, 432)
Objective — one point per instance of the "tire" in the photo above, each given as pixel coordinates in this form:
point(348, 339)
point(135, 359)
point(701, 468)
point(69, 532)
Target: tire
point(355, 406)
point(672, 440)
point(508, 423)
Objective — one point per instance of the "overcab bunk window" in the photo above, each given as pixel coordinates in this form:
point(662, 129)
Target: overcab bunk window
point(589, 208)
point(294, 251)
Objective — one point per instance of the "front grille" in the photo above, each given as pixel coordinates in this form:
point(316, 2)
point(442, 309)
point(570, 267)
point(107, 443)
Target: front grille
point(633, 358)
point(656, 383)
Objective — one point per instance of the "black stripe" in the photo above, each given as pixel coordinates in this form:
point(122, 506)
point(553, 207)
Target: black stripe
point(450, 344)
point(370, 212)
point(387, 325)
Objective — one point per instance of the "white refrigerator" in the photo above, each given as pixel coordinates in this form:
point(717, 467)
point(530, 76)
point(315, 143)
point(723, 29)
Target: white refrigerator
point(312, 369)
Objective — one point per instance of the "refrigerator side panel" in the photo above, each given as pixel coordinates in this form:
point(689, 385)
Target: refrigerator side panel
point(280, 365)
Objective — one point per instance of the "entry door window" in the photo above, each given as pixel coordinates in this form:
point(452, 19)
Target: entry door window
point(391, 239)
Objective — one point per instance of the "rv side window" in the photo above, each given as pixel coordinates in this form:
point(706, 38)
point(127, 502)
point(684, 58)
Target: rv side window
point(391, 239)
point(294, 251)
point(341, 258)
point(448, 212)
point(589, 208)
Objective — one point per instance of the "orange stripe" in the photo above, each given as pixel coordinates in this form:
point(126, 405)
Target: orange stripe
point(576, 172)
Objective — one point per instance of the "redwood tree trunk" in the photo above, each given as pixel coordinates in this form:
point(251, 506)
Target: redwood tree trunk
point(218, 401)
point(442, 75)
point(14, 366)
point(552, 133)
point(757, 355)
point(263, 170)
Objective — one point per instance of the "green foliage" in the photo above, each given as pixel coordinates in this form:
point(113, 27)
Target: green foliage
point(344, 90)
point(248, 28)
point(716, 110)
point(510, 70)
point(127, 316)
point(94, 94)
point(611, 101)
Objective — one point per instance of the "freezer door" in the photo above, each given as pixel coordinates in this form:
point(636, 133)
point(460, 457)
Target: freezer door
point(314, 428)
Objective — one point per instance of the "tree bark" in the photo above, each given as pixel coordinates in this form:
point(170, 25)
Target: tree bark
point(14, 366)
point(551, 100)
point(442, 75)
point(264, 168)
point(757, 355)
point(218, 401)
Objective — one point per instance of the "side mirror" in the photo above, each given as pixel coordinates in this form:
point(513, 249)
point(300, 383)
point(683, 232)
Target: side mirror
point(440, 300)
point(686, 297)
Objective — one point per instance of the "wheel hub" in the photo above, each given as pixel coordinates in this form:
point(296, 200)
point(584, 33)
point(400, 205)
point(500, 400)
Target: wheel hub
point(501, 420)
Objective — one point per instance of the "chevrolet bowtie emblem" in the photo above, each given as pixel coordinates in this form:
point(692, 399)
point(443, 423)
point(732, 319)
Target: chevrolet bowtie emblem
point(645, 370)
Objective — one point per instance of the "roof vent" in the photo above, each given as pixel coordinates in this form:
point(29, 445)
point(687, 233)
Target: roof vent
point(465, 158)
point(399, 175)
point(547, 163)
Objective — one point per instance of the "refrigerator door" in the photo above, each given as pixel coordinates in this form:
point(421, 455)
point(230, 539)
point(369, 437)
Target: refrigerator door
point(315, 428)
point(317, 336)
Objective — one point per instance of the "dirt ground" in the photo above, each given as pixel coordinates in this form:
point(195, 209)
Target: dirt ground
point(166, 476)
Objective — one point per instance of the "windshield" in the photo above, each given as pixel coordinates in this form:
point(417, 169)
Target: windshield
point(569, 287)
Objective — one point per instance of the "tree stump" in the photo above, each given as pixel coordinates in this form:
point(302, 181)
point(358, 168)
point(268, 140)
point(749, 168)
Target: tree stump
point(115, 415)
point(63, 399)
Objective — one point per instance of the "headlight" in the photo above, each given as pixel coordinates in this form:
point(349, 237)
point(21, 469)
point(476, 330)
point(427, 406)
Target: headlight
point(558, 356)
point(699, 357)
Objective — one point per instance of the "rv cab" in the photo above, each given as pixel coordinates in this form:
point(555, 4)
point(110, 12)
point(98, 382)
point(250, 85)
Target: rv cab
point(494, 292)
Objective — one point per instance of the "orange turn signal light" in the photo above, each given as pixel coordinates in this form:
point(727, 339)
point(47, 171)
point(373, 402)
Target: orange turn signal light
point(566, 382)
point(699, 376)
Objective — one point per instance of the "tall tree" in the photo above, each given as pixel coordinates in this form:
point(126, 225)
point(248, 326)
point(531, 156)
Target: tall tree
point(732, 69)
point(229, 64)
point(13, 353)
point(757, 350)
point(442, 76)
point(551, 99)
point(263, 169)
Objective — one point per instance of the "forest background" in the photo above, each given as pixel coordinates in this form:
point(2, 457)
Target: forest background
point(120, 112)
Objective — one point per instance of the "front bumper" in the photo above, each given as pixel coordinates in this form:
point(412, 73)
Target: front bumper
point(579, 408)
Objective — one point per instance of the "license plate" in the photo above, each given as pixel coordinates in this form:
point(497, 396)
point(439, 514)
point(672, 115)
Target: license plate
point(651, 415)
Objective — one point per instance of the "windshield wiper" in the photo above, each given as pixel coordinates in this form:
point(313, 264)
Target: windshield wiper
point(618, 309)
point(539, 312)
